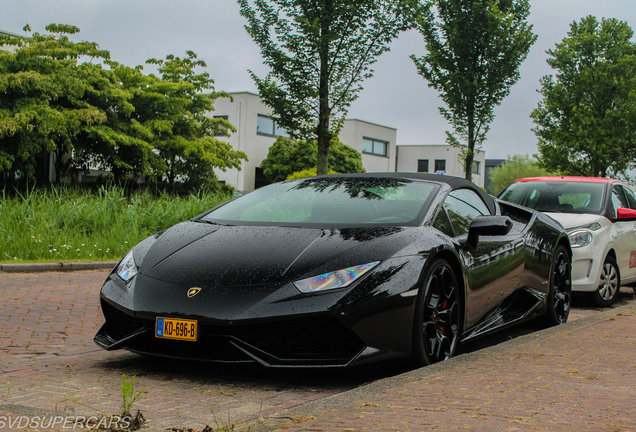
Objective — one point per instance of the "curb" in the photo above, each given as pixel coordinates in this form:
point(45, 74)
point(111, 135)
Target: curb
point(57, 266)
point(283, 419)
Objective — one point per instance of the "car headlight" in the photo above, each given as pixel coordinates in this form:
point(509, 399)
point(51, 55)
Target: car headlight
point(594, 226)
point(580, 238)
point(127, 267)
point(335, 279)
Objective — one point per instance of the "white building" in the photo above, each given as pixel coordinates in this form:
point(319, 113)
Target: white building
point(256, 132)
point(6, 33)
point(442, 159)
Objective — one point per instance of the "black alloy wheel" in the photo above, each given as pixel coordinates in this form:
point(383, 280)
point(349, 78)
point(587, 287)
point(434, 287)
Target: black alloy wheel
point(438, 316)
point(609, 285)
point(560, 294)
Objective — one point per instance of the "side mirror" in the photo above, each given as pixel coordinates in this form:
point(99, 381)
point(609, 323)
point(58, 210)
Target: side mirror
point(625, 214)
point(488, 226)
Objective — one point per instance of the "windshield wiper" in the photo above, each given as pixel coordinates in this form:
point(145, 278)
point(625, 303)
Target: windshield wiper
point(208, 222)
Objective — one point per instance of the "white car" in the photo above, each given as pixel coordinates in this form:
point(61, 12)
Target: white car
point(599, 216)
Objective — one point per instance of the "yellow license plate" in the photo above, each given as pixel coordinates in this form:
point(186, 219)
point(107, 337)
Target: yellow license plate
point(172, 328)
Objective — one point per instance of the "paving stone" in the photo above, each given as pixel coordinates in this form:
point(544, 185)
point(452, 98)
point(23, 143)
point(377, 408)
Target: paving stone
point(578, 379)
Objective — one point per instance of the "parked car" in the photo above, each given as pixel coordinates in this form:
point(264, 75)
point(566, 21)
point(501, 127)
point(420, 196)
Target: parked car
point(599, 215)
point(339, 270)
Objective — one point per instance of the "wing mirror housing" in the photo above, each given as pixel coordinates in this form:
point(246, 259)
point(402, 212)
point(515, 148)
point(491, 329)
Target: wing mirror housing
point(488, 226)
point(625, 214)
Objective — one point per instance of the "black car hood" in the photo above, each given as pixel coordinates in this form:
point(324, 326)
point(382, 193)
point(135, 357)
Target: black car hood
point(192, 252)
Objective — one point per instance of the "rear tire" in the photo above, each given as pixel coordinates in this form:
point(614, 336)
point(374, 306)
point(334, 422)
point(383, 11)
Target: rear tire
point(609, 284)
point(560, 293)
point(438, 315)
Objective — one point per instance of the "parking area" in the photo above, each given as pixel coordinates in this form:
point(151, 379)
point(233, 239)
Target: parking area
point(49, 362)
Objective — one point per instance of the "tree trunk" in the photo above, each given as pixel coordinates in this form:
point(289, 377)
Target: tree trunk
point(322, 132)
point(470, 154)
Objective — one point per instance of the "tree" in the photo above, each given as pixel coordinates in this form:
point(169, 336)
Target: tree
point(70, 99)
point(475, 48)
point(319, 52)
point(516, 167)
point(287, 156)
point(176, 107)
point(47, 98)
point(586, 122)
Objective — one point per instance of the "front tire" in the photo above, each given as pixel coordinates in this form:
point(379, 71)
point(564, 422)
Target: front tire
point(438, 316)
point(609, 285)
point(560, 294)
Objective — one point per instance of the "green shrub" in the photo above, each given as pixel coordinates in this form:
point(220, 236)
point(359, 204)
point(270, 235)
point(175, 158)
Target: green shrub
point(311, 172)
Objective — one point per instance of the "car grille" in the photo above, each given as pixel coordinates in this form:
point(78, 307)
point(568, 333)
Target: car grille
point(308, 338)
point(120, 324)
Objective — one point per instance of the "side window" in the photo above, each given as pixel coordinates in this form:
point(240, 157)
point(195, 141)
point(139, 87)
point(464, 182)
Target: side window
point(631, 198)
point(470, 198)
point(462, 206)
point(442, 223)
point(618, 198)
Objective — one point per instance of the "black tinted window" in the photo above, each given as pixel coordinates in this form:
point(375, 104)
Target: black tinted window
point(462, 206)
point(618, 198)
point(631, 198)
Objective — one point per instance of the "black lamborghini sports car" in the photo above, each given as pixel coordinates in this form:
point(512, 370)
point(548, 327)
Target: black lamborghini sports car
point(339, 270)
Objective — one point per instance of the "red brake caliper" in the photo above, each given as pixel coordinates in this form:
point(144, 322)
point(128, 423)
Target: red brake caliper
point(443, 329)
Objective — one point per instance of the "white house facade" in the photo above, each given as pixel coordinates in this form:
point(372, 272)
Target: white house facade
point(256, 132)
point(441, 159)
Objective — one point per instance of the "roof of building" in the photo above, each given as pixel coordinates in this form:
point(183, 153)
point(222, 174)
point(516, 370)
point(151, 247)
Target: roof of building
point(3, 32)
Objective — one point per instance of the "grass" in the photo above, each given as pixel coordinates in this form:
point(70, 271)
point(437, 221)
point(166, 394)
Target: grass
point(68, 224)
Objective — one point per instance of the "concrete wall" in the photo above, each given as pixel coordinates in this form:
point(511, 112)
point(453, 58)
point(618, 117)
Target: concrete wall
point(409, 155)
point(354, 131)
point(243, 113)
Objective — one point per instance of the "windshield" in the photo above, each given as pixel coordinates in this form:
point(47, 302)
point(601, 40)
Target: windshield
point(563, 197)
point(330, 202)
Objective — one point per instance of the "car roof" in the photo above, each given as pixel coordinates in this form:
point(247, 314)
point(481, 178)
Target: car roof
point(453, 182)
point(569, 179)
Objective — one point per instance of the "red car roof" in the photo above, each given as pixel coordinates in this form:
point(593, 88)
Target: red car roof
point(570, 179)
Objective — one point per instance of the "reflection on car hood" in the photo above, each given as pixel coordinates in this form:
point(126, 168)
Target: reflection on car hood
point(191, 252)
point(573, 220)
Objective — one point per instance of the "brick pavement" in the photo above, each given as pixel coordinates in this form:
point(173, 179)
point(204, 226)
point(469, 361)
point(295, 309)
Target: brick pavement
point(49, 362)
point(580, 377)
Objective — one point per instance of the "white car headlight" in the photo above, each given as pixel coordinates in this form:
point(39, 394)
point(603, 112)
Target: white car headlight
point(335, 279)
point(594, 226)
point(127, 267)
point(580, 238)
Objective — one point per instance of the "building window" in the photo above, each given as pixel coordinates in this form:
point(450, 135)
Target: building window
point(422, 165)
point(374, 146)
point(266, 126)
point(440, 166)
point(476, 167)
point(224, 117)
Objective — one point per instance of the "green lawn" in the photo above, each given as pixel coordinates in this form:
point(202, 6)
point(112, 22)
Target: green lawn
point(67, 224)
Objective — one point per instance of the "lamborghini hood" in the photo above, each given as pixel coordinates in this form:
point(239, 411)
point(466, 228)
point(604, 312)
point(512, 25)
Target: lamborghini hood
point(221, 255)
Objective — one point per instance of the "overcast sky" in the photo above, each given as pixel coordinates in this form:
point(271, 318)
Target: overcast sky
point(136, 30)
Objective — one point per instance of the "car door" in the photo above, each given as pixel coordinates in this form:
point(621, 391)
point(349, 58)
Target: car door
point(625, 232)
point(495, 267)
